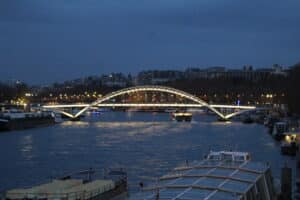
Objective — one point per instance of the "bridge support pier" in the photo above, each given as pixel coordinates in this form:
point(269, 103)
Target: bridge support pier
point(75, 119)
point(220, 119)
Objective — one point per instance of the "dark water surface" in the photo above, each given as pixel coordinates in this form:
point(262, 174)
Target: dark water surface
point(146, 144)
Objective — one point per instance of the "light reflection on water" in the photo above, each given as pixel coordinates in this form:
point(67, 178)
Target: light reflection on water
point(146, 145)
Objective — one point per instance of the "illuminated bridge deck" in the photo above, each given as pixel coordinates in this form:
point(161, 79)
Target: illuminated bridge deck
point(213, 179)
point(197, 102)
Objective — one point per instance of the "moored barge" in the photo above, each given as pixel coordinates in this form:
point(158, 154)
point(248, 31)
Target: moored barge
point(70, 187)
point(24, 120)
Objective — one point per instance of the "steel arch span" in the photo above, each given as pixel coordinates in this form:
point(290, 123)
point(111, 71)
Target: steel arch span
point(152, 88)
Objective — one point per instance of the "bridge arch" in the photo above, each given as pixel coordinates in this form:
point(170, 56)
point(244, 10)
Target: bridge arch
point(151, 88)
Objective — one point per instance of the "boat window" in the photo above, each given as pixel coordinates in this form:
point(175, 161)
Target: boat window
point(198, 171)
point(222, 172)
point(196, 194)
point(236, 186)
point(210, 182)
point(214, 157)
point(245, 175)
point(225, 196)
point(227, 157)
point(185, 181)
point(239, 158)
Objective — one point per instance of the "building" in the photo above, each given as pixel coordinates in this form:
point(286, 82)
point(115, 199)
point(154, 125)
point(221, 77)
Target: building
point(154, 77)
point(114, 80)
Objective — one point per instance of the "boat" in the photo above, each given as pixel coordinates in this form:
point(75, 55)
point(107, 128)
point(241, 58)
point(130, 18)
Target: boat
point(79, 185)
point(196, 110)
point(182, 116)
point(57, 117)
point(270, 120)
point(169, 110)
point(24, 120)
point(97, 111)
point(221, 175)
point(279, 129)
point(289, 146)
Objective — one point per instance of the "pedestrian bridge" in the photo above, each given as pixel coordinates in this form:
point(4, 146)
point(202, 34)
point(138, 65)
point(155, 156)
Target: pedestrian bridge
point(196, 102)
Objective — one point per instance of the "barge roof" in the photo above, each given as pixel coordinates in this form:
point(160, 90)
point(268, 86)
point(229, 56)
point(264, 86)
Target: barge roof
point(58, 189)
point(218, 177)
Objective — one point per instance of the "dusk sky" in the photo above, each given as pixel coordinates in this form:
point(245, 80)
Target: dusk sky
point(42, 41)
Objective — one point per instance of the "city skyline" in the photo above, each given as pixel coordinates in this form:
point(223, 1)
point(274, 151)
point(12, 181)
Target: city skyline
point(164, 75)
point(44, 42)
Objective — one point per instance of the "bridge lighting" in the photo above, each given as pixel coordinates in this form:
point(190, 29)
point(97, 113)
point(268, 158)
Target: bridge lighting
point(181, 95)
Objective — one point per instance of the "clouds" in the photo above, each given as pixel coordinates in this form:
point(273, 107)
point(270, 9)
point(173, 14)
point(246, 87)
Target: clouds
point(78, 37)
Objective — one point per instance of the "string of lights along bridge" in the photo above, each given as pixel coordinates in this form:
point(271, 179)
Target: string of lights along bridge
point(194, 102)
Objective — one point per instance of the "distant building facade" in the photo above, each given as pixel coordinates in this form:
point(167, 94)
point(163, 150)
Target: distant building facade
point(246, 73)
point(115, 80)
point(154, 77)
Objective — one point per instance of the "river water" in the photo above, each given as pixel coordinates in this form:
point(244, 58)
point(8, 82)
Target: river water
point(148, 145)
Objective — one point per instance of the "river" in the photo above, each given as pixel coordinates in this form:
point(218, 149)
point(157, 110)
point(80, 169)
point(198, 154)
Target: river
point(148, 145)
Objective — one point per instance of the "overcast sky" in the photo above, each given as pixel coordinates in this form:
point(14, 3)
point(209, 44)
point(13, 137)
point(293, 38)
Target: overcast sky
point(43, 41)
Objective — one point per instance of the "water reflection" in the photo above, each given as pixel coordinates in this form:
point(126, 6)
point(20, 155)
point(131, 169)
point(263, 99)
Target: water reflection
point(26, 147)
point(75, 123)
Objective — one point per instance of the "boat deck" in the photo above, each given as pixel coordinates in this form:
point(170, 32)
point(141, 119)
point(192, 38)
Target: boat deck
point(213, 179)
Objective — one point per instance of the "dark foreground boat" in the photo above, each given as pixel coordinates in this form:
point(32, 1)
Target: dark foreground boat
point(222, 175)
point(279, 129)
point(70, 187)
